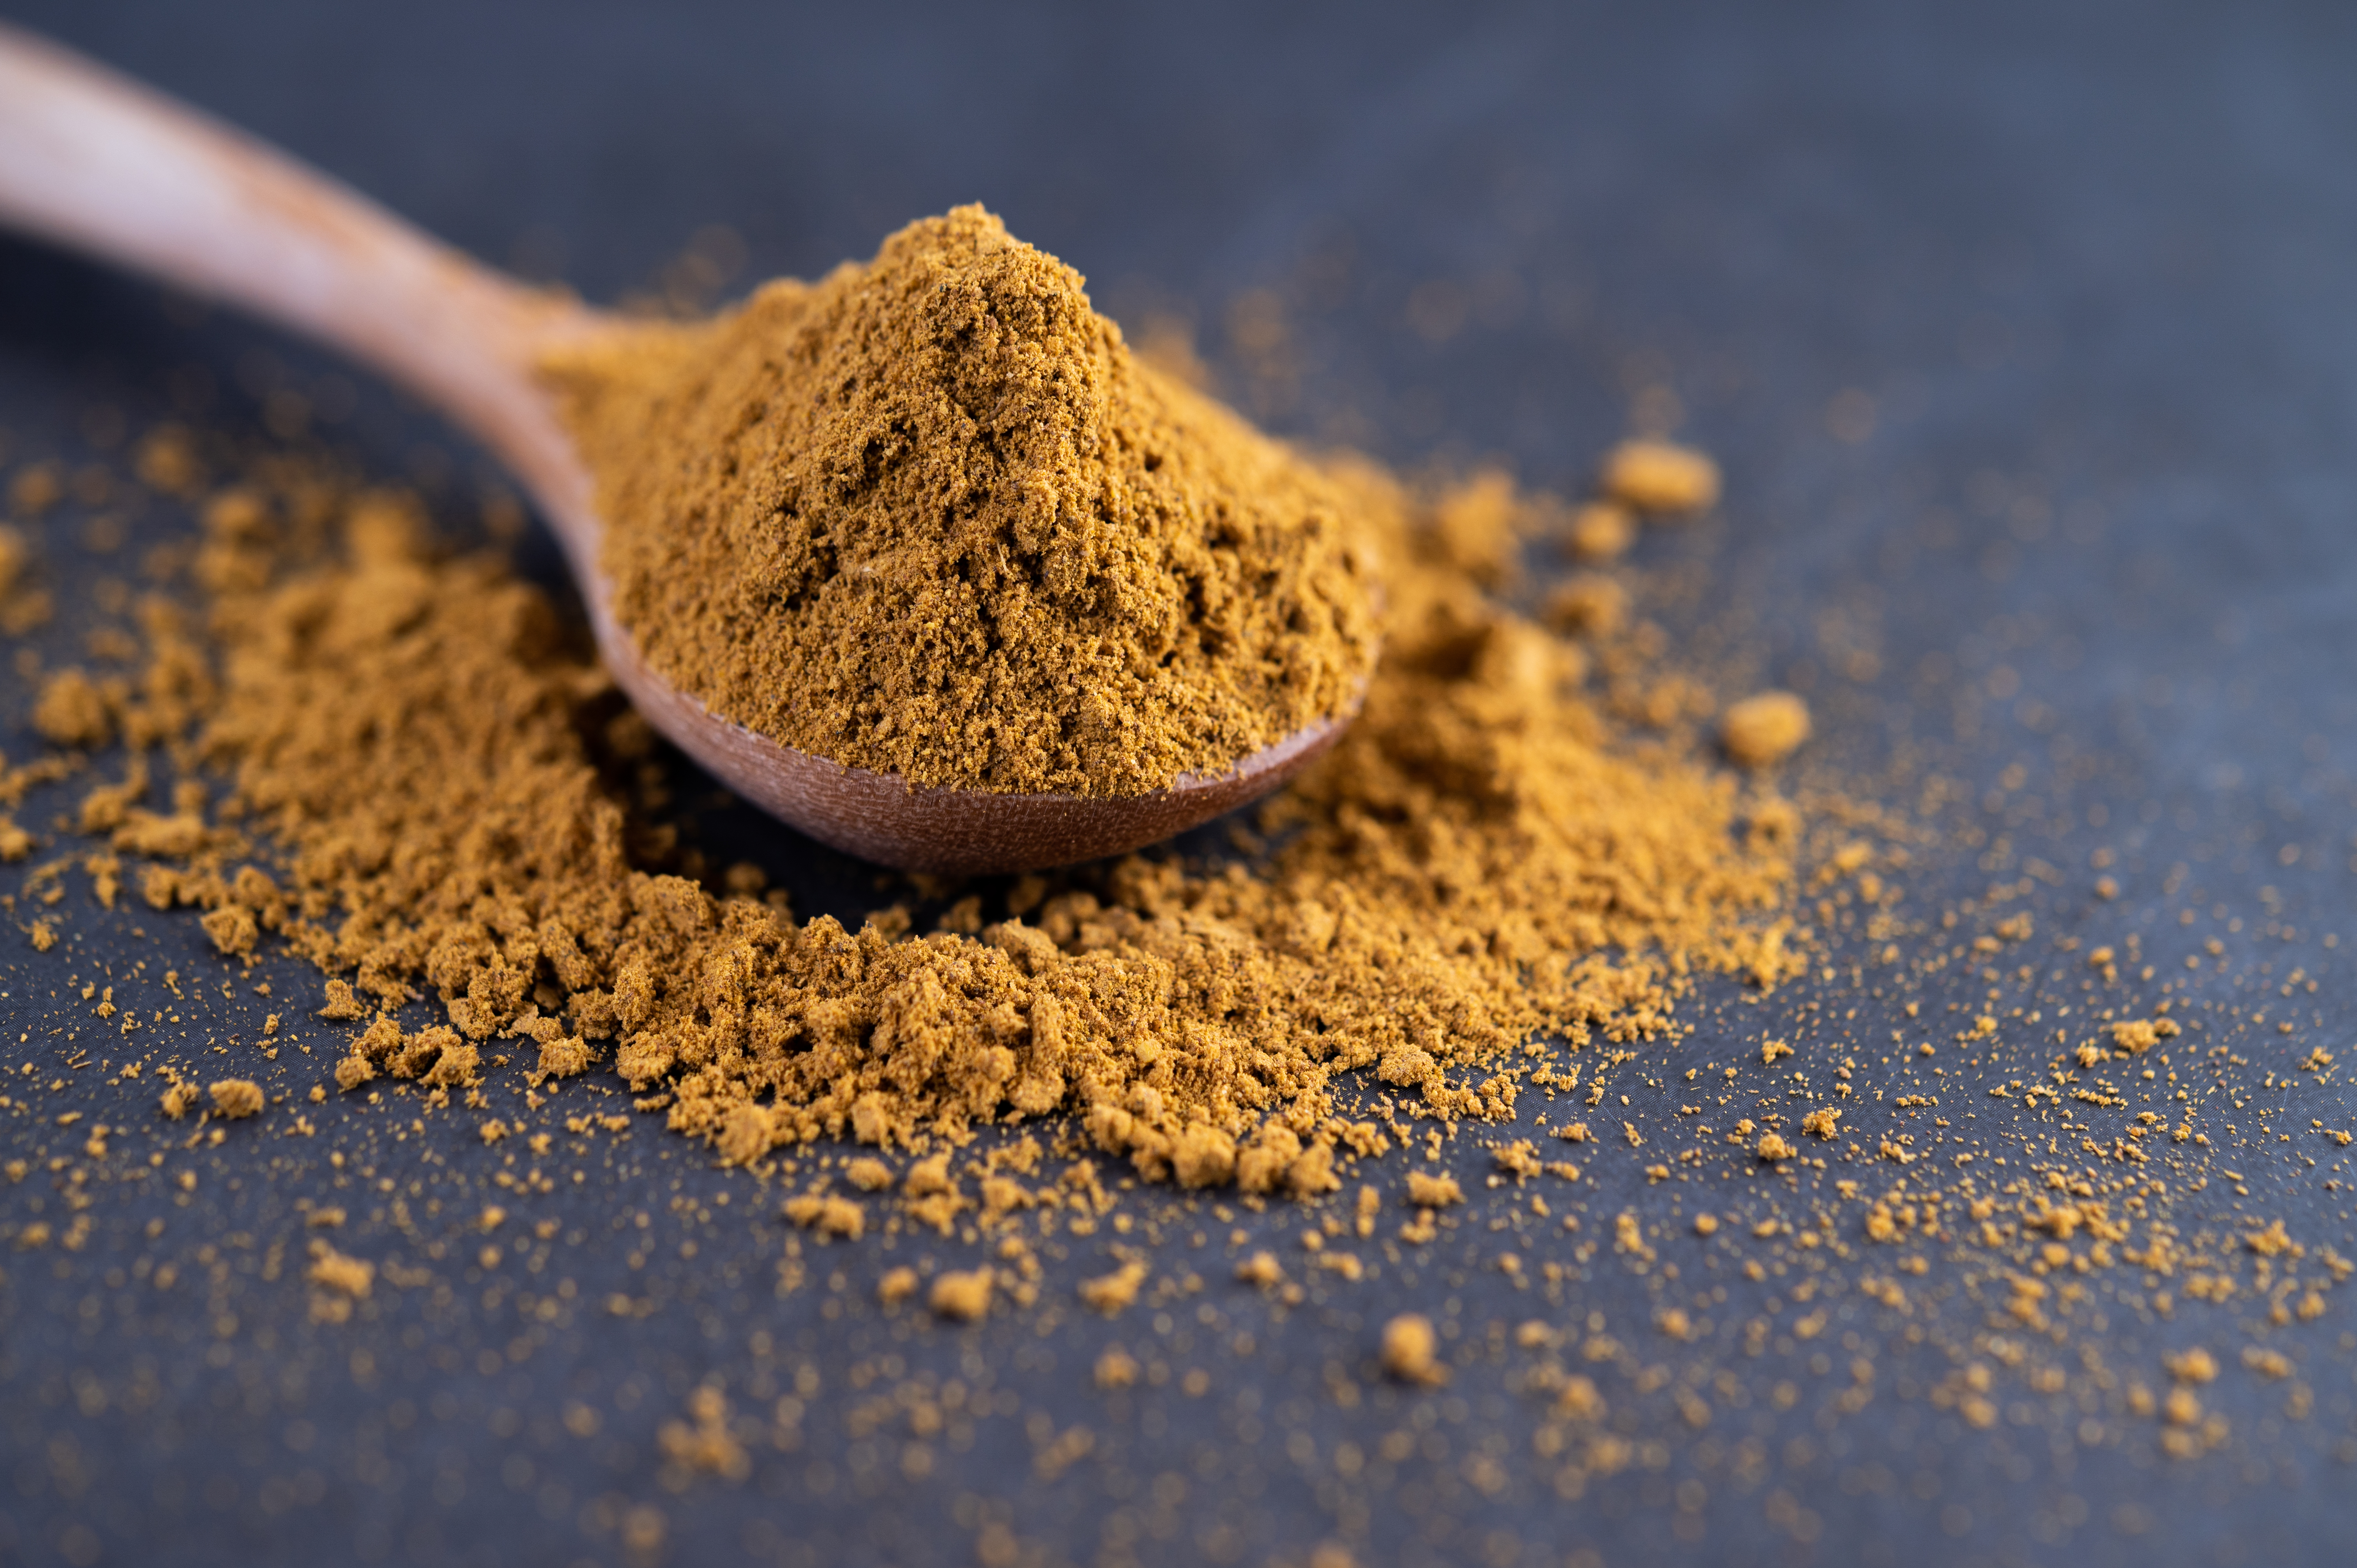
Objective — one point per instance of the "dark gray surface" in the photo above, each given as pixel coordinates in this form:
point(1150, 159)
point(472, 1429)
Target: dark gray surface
point(2092, 268)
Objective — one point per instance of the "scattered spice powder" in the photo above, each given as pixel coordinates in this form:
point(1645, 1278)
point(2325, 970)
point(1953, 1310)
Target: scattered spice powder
point(929, 517)
point(421, 758)
point(428, 784)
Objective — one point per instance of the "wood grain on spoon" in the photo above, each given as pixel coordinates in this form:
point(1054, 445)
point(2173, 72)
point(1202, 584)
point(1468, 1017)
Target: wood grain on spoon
point(93, 161)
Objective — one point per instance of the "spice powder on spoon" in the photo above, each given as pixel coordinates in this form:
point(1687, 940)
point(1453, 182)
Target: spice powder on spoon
point(929, 517)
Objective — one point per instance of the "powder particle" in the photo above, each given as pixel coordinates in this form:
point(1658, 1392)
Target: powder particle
point(340, 1273)
point(929, 1176)
point(70, 710)
point(928, 515)
point(236, 1098)
point(1774, 1148)
point(744, 1133)
point(2272, 1365)
point(341, 1005)
point(231, 928)
point(1762, 731)
point(1602, 531)
point(703, 1444)
point(1656, 476)
point(1408, 1350)
point(828, 1215)
point(1116, 1368)
point(2194, 1366)
point(896, 1285)
point(1109, 1293)
point(1260, 1269)
point(1428, 1190)
point(868, 1175)
point(1519, 1159)
point(964, 1296)
point(2135, 1035)
point(1580, 1399)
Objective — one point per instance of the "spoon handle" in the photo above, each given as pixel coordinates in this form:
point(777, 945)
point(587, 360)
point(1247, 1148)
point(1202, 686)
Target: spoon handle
point(97, 162)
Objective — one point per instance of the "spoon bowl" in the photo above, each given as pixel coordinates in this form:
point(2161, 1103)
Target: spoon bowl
point(93, 161)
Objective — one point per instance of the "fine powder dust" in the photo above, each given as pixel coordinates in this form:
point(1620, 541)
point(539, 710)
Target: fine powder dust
point(429, 792)
point(929, 517)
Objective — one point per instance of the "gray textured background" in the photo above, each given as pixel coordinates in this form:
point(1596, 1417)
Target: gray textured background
point(2091, 267)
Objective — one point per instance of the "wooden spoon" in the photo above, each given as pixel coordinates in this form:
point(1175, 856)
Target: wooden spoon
point(94, 161)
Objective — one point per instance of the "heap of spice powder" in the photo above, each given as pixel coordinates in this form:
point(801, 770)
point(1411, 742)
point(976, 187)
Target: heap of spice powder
point(430, 793)
point(929, 516)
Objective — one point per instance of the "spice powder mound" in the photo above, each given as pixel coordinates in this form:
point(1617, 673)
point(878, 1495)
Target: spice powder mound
point(929, 517)
point(429, 793)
